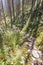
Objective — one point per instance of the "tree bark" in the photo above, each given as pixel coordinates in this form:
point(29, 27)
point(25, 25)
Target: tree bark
point(9, 6)
point(22, 10)
point(3, 13)
point(13, 8)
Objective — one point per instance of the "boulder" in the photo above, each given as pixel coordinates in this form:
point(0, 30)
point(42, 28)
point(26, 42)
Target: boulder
point(35, 53)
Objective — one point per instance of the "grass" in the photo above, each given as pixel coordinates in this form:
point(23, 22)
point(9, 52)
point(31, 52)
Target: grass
point(10, 51)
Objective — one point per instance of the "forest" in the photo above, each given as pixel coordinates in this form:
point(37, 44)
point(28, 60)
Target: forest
point(21, 32)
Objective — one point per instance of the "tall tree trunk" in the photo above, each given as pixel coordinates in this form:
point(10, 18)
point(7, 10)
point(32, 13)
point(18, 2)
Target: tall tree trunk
point(42, 4)
point(27, 2)
point(13, 8)
point(17, 7)
point(9, 6)
point(3, 13)
point(22, 10)
point(0, 16)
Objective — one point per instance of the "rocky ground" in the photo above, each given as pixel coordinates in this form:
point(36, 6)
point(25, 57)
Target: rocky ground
point(36, 55)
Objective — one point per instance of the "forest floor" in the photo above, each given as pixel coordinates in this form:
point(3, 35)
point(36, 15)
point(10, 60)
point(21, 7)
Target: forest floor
point(36, 54)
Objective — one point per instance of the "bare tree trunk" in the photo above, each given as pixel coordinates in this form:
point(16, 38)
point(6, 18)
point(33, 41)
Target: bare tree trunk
point(22, 10)
point(13, 8)
point(33, 4)
point(27, 2)
point(9, 6)
point(42, 4)
point(3, 13)
point(17, 8)
point(0, 16)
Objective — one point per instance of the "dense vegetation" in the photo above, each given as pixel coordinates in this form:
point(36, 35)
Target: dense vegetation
point(21, 24)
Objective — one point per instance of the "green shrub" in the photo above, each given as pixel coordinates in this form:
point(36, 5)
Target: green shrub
point(39, 41)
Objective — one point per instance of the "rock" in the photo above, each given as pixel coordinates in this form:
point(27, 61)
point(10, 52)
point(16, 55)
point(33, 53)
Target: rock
point(39, 52)
point(36, 63)
point(33, 58)
point(29, 45)
point(35, 48)
point(35, 53)
point(23, 60)
point(29, 50)
point(42, 56)
point(32, 63)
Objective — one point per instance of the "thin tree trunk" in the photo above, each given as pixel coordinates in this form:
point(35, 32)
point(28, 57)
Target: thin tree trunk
point(22, 10)
point(17, 8)
point(13, 8)
point(9, 6)
point(0, 16)
point(3, 13)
